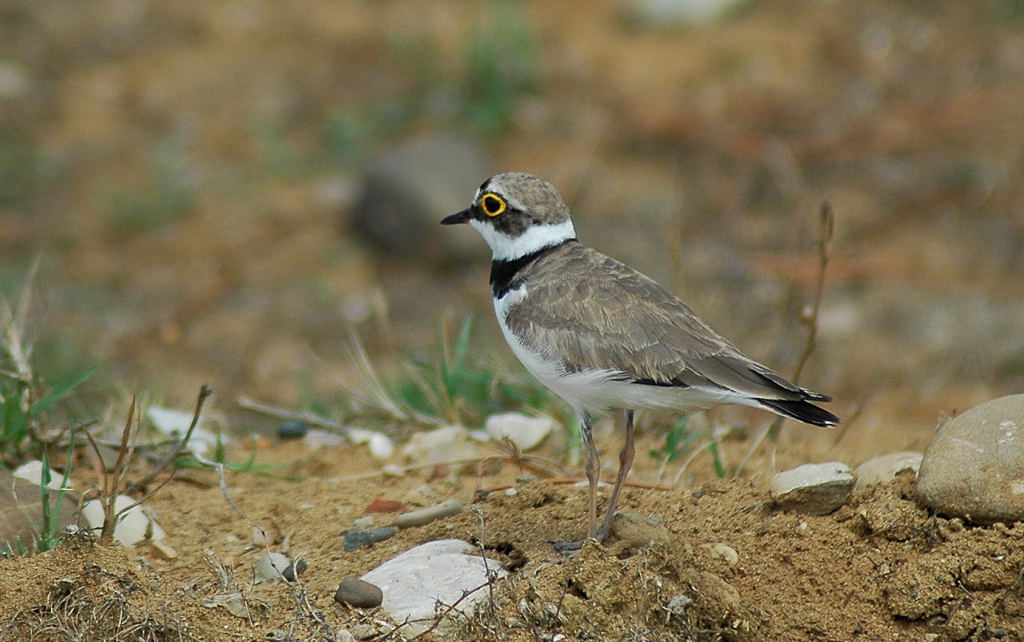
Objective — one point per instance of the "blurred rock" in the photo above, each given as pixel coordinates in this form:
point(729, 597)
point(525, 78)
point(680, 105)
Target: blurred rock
point(813, 489)
point(355, 540)
point(444, 571)
point(21, 513)
point(672, 13)
point(639, 530)
point(525, 432)
point(294, 570)
point(974, 466)
point(410, 188)
point(292, 429)
point(884, 468)
point(439, 445)
point(271, 566)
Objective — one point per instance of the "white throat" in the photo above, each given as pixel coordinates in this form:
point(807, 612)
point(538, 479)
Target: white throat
point(536, 237)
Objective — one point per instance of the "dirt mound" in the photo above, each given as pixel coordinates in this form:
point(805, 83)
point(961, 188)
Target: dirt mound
point(735, 568)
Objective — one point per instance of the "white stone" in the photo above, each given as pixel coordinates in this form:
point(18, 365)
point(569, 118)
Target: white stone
point(884, 468)
point(270, 567)
point(442, 444)
point(380, 445)
point(813, 489)
point(525, 432)
point(32, 471)
point(133, 526)
point(974, 466)
point(175, 423)
point(445, 571)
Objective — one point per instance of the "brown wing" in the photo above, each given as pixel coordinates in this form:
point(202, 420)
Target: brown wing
point(618, 319)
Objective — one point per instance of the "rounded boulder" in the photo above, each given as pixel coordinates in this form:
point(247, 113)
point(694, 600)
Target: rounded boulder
point(974, 466)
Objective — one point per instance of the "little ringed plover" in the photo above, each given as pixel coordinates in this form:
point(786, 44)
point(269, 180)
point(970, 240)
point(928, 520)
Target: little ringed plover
point(602, 335)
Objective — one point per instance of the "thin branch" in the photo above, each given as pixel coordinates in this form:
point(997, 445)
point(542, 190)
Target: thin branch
point(808, 317)
point(204, 392)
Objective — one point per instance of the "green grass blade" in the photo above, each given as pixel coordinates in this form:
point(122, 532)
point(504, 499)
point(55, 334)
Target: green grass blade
point(60, 389)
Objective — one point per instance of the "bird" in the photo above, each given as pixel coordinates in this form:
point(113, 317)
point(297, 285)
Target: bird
point(601, 335)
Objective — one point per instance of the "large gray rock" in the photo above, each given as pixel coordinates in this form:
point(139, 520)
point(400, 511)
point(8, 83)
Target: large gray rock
point(974, 466)
point(408, 190)
point(21, 513)
point(446, 572)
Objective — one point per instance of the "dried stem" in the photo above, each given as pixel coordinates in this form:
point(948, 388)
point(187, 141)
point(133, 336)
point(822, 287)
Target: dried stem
point(204, 392)
point(809, 318)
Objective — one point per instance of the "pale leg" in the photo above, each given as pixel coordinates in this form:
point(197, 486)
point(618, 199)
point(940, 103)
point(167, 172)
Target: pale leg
point(625, 463)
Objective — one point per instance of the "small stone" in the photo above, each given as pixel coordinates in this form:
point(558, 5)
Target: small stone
point(355, 540)
point(163, 550)
point(639, 530)
point(271, 566)
point(292, 429)
point(429, 514)
point(678, 604)
point(381, 446)
point(381, 505)
point(358, 593)
point(974, 466)
point(294, 570)
point(343, 635)
point(813, 489)
point(674, 13)
point(524, 431)
point(725, 553)
point(884, 468)
point(363, 631)
point(439, 445)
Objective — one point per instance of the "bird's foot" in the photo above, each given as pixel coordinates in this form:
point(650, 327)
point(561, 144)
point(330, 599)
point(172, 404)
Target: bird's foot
point(570, 549)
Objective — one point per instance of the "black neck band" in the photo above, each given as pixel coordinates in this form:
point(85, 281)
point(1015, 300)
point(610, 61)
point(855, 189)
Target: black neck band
point(503, 273)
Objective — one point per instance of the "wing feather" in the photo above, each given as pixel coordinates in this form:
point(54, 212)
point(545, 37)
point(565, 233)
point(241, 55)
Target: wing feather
point(620, 320)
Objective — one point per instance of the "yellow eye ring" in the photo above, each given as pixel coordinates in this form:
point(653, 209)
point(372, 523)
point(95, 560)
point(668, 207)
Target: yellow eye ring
point(492, 204)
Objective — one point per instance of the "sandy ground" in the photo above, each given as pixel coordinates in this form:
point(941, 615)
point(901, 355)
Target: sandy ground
point(178, 173)
point(880, 568)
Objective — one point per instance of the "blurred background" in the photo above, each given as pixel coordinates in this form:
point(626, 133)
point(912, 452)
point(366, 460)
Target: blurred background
point(221, 192)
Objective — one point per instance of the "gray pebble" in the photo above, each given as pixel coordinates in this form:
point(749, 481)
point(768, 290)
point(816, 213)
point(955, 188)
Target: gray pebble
point(294, 570)
point(292, 429)
point(639, 530)
point(355, 540)
point(429, 514)
point(884, 468)
point(813, 489)
point(974, 466)
point(358, 593)
point(363, 631)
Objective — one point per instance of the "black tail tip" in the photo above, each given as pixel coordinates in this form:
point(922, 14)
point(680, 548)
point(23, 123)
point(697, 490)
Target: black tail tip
point(801, 411)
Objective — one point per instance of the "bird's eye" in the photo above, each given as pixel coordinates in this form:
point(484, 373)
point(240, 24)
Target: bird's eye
point(492, 204)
